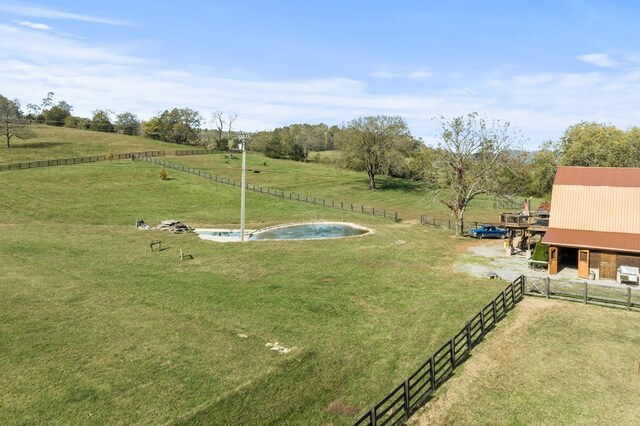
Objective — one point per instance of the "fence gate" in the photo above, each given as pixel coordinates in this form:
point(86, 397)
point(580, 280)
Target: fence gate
point(536, 286)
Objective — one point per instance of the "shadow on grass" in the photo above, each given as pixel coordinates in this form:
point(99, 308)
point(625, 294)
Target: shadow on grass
point(39, 144)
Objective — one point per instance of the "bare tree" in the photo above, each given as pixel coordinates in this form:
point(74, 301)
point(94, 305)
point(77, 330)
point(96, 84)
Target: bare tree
point(472, 158)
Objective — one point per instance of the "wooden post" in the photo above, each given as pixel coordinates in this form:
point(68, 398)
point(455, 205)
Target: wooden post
point(495, 312)
point(452, 345)
point(629, 302)
point(585, 292)
point(181, 255)
point(432, 373)
point(504, 301)
point(513, 293)
point(406, 398)
point(482, 322)
point(468, 328)
point(372, 417)
point(547, 284)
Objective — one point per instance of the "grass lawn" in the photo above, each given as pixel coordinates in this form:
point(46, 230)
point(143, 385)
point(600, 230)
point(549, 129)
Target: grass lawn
point(551, 362)
point(52, 142)
point(409, 198)
point(96, 327)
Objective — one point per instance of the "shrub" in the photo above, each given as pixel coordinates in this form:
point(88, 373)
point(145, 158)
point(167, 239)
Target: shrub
point(109, 156)
point(541, 252)
point(162, 175)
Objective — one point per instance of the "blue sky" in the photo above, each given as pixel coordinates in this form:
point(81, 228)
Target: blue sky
point(541, 65)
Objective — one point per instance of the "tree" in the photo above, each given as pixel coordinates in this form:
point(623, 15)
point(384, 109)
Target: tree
point(127, 123)
point(11, 119)
point(375, 144)
point(219, 121)
point(180, 125)
point(101, 121)
point(56, 115)
point(595, 145)
point(542, 171)
point(471, 159)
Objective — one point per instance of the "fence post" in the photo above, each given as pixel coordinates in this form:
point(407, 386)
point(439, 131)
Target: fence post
point(362, 209)
point(504, 301)
point(523, 283)
point(372, 416)
point(495, 312)
point(547, 284)
point(449, 224)
point(452, 345)
point(585, 292)
point(482, 322)
point(513, 293)
point(395, 216)
point(432, 372)
point(373, 211)
point(468, 327)
point(628, 298)
point(406, 398)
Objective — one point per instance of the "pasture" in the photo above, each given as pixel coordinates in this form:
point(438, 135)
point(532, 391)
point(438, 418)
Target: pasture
point(95, 326)
point(550, 363)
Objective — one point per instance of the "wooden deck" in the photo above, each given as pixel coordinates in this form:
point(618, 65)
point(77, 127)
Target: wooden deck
point(535, 222)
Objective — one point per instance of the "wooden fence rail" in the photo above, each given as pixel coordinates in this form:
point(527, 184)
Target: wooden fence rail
point(281, 194)
point(451, 223)
point(593, 294)
point(406, 398)
point(96, 158)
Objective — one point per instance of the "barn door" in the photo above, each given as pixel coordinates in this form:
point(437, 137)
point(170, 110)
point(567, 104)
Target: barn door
point(583, 263)
point(608, 266)
point(553, 260)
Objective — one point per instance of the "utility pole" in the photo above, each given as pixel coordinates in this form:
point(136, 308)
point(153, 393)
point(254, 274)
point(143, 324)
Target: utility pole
point(243, 139)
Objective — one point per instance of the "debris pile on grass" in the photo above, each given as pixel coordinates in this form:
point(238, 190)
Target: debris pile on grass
point(174, 226)
point(278, 348)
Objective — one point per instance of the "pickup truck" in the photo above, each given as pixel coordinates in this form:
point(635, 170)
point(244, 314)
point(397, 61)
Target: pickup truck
point(488, 231)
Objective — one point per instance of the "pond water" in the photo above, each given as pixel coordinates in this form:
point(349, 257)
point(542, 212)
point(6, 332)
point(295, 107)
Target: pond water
point(297, 231)
point(310, 231)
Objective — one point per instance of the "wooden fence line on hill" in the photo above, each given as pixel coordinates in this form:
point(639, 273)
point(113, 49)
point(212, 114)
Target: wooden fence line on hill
point(96, 158)
point(281, 194)
point(413, 393)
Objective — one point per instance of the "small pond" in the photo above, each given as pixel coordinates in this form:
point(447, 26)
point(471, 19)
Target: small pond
point(295, 231)
point(310, 231)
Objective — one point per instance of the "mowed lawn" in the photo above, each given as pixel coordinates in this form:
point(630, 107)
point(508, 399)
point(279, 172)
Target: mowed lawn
point(551, 362)
point(94, 327)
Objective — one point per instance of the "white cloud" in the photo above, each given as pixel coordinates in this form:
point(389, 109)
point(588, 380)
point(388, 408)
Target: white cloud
point(598, 59)
point(420, 74)
point(34, 25)
point(24, 9)
point(106, 76)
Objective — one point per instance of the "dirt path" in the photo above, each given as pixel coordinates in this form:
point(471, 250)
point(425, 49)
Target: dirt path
point(484, 361)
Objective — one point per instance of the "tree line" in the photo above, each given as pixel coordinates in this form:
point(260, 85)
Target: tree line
point(474, 155)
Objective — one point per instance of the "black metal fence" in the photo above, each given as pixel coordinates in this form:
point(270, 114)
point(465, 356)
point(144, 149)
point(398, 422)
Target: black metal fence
point(282, 194)
point(623, 297)
point(96, 158)
point(406, 398)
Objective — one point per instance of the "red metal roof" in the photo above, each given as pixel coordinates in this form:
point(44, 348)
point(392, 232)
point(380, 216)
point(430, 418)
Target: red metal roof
point(598, 176)
point(615, 241)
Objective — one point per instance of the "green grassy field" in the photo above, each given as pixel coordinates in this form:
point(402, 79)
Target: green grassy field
point(409, 198)
point(52, 142)
point(96, 327)
point(549, 363)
